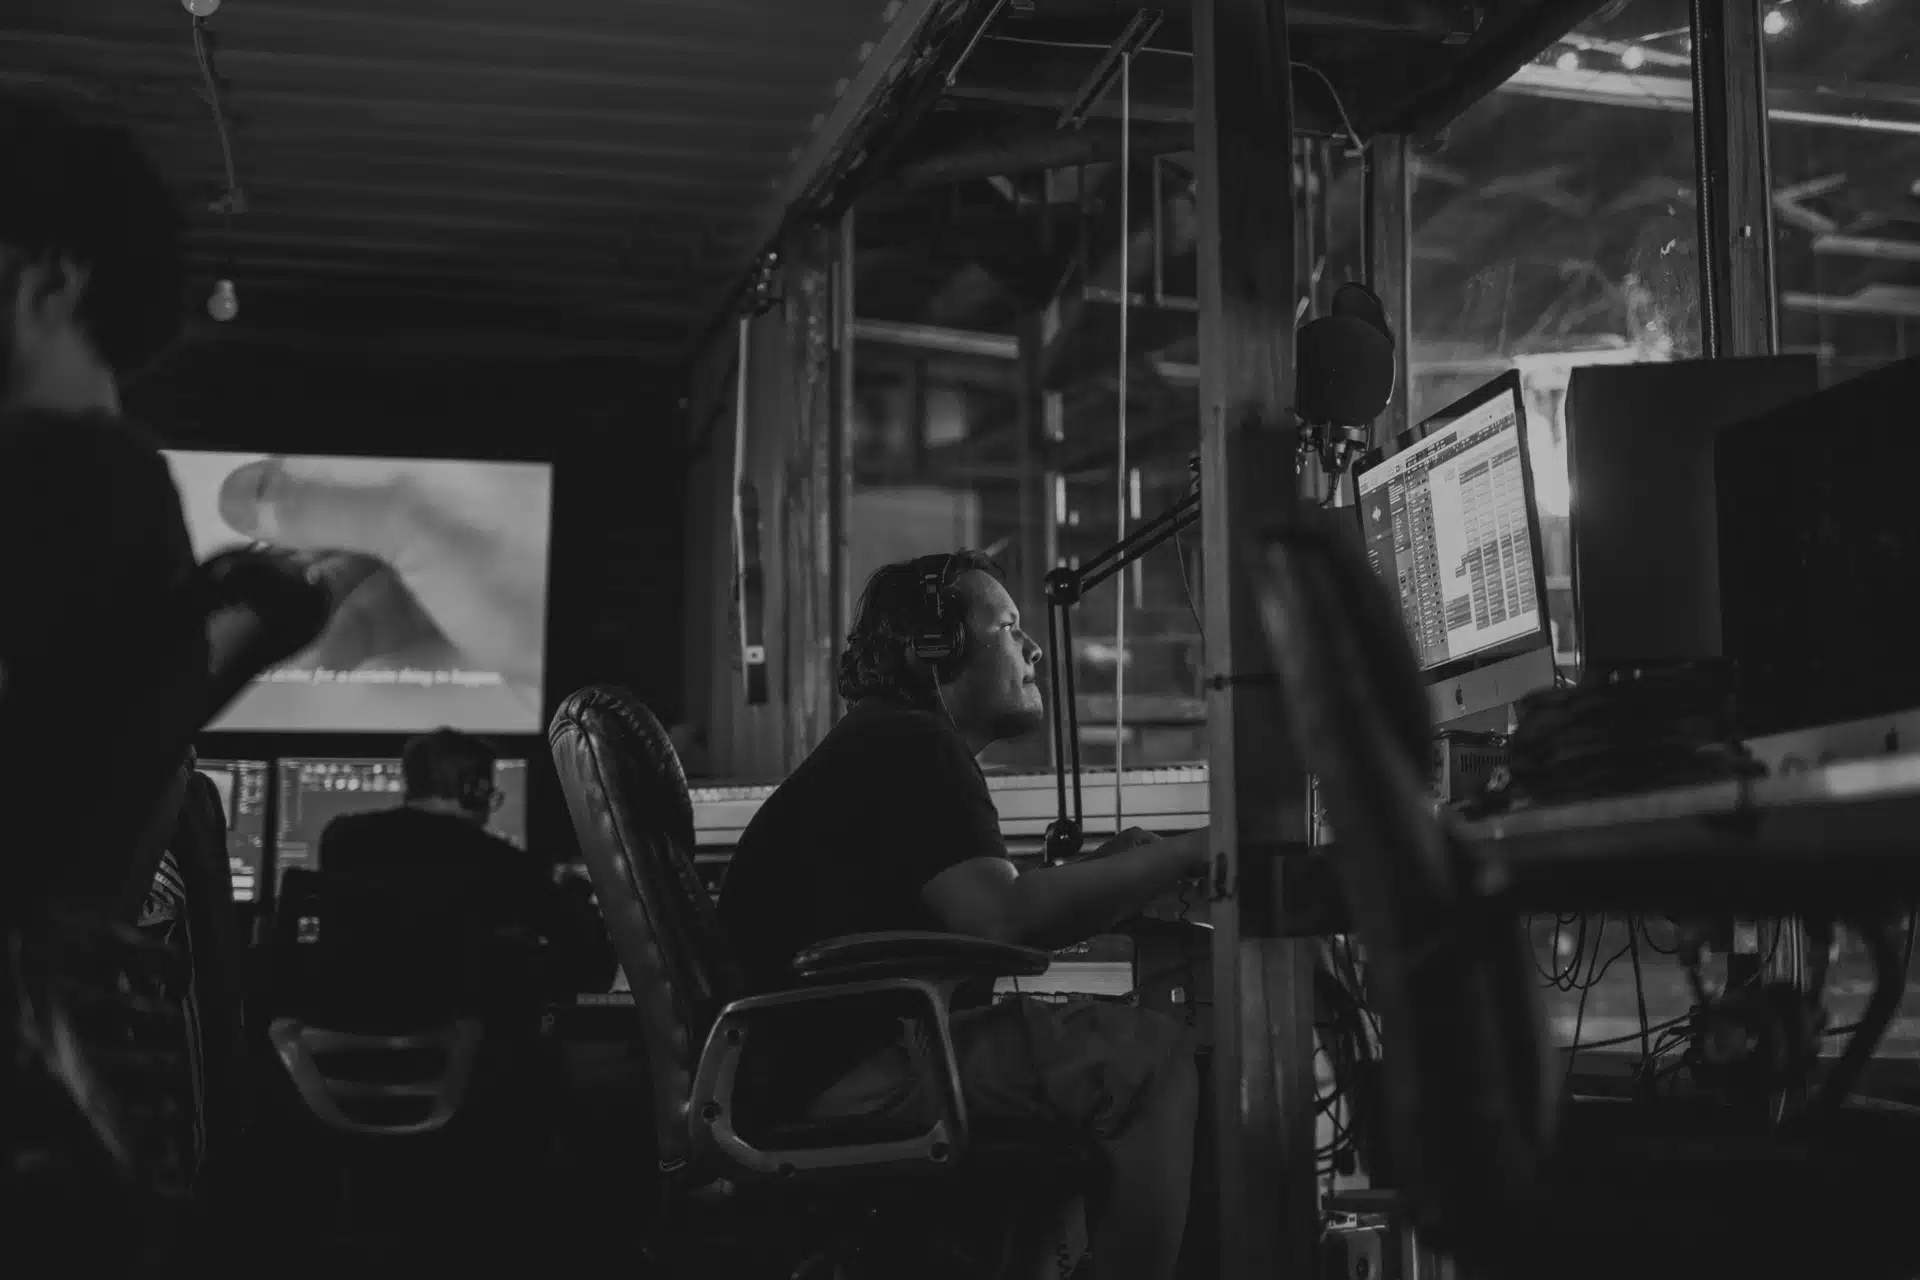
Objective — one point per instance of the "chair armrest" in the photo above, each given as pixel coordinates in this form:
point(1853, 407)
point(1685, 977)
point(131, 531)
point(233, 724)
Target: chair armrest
point(932, 956)
point(716, 1141)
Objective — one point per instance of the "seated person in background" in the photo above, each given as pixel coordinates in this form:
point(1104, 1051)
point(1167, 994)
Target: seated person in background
point(889, 825)
point(446, 909)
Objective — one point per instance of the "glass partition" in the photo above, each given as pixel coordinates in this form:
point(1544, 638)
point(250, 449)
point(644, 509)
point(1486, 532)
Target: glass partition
point(1554, 226)
point(1843, 103)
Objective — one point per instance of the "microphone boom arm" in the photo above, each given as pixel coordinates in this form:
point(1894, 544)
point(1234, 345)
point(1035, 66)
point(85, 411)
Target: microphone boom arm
point(1064, 588)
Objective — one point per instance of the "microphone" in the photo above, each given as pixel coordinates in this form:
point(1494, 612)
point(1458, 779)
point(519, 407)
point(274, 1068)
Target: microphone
point(1344, 374)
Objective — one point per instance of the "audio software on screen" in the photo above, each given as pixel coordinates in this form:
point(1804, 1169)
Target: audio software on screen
point(440, 566)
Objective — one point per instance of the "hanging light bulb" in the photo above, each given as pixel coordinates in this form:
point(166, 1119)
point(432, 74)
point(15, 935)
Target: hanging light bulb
point(201, 8)
point(223, 304)
point(1775, 22)
point(1633, 57)
point(1568, 61)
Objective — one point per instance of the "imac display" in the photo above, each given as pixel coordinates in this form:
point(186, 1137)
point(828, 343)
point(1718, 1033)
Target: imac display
point(441, 567)
point(1450, 525)
point(313, 792)
point(243, 799)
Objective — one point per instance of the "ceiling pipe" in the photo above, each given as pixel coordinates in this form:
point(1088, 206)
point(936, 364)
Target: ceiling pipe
point(1032, 150)
point(1449, 21)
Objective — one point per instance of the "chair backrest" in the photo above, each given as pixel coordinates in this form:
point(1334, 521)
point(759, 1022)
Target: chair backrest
point(634, 821)
point(356, 1083)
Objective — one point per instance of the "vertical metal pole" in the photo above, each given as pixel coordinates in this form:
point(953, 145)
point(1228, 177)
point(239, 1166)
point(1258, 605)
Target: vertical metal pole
point(1263, 1005)
point(1736, 203)
point(1120, 418)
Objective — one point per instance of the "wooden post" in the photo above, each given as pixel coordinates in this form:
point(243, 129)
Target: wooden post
point(1263, 1008)
point(1736, 206)
point(840, 451)
point(1389, 201)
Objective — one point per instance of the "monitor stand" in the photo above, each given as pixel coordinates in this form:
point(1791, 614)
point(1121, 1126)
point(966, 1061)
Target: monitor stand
point(1491, 689)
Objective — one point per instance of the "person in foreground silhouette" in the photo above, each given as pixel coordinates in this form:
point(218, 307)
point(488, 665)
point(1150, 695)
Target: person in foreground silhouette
point(889, 825)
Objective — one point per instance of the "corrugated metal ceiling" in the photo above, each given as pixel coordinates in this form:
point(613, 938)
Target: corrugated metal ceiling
point(586, 172)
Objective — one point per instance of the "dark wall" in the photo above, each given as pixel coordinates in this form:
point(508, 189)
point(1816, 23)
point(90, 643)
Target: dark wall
point(612, 433)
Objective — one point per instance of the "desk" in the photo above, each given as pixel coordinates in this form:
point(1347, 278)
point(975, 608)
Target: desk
point(1164, 800)
point(1841, 837)
point(1834, 839)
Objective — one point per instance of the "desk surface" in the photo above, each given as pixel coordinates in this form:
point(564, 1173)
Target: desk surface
point(1839, 837)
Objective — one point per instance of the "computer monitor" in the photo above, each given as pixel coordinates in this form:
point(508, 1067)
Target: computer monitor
point(315, 791)
point(243, 799)
point(1450, 524)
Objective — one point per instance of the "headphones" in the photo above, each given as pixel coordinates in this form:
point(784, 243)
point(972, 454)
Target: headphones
point(480, 795)
point(940, 638)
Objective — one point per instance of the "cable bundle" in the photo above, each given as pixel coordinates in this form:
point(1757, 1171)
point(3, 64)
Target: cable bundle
point(1657, 728)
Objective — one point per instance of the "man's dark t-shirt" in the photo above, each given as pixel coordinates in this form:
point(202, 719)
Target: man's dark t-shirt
point(437, 909)
point(889, 800)
point(95, 548)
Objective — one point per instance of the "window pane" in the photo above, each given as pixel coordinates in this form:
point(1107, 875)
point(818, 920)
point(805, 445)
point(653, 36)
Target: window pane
point(1844, 131)
point(1555, 226)
point(941, 461)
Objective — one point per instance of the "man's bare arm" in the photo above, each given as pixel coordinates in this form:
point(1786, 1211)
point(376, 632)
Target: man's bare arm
point(1058, 906)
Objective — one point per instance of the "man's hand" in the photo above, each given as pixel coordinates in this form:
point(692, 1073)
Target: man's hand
point(1188, 849)
point(1131, 838)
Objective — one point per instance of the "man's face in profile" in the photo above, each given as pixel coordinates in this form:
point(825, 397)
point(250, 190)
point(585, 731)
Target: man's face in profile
point(998, 691)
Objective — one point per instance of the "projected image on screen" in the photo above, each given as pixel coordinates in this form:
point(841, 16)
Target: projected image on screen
point(242, 785)
point(315, 792)
point(441, 567)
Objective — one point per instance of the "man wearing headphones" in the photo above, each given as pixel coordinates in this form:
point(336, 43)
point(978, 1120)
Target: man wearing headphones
point(889, 825)
point(434, 859)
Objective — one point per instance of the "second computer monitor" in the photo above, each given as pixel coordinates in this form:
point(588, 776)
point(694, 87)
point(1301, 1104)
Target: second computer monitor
point(242, 785)
point(313, 792)
point(1450, 525)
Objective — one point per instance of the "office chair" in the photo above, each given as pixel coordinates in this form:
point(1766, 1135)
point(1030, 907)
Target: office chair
point(859, 1195)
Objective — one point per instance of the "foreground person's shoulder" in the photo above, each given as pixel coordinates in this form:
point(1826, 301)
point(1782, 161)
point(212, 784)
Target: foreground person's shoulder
point(98, 437)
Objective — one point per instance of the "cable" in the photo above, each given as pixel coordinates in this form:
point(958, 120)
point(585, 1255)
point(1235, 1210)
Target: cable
point(216, 103)
point(1639, 987)
point(1347, 121)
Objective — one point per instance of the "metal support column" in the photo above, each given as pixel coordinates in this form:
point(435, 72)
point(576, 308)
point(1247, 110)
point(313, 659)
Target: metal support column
point(1389, 266)
point(1736, 204)
point(1263, 1007)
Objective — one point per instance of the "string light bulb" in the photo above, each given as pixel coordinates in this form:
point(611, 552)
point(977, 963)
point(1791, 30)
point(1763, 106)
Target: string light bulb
point(1568, 61)
point(1774, 23)
point(1633, 57)
point(201, 8)
point(223, 304)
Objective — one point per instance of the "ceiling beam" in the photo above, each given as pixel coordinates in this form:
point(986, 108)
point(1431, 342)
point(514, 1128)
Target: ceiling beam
point(473, 343)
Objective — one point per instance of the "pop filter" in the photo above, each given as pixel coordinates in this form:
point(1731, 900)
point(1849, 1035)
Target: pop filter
point(1344, 365)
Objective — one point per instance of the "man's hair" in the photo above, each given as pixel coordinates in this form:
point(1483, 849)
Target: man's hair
point(446, 765)
point(878, 657)
point(73, 185)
